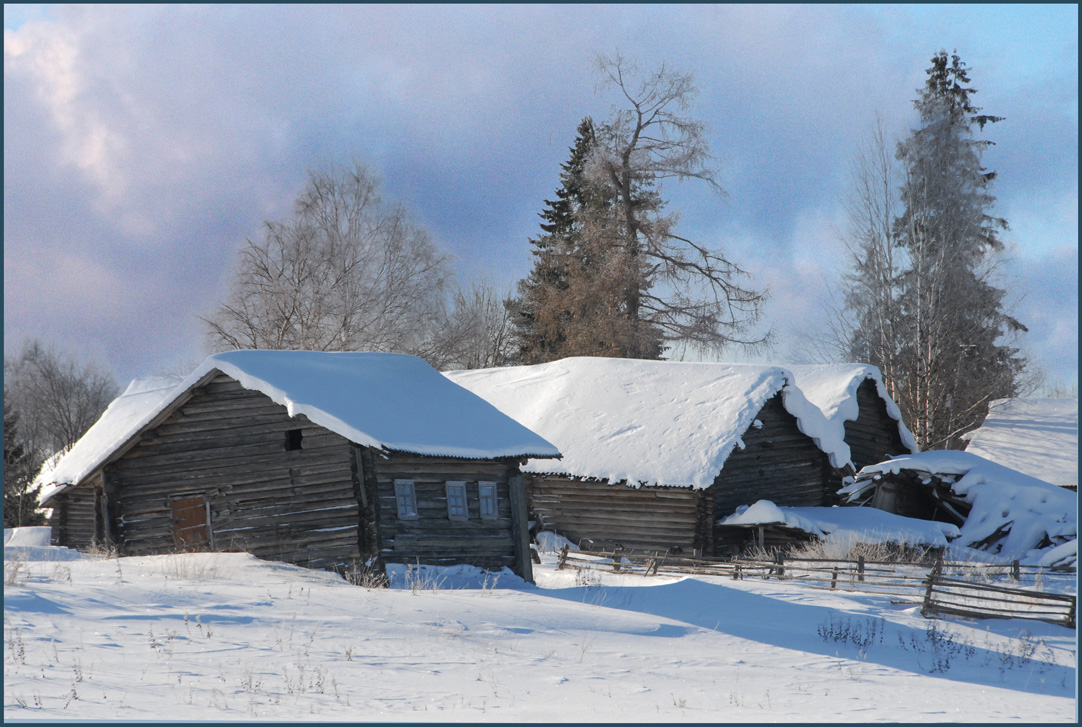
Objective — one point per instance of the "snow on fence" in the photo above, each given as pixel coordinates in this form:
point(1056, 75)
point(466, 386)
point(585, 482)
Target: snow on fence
point(948, 588)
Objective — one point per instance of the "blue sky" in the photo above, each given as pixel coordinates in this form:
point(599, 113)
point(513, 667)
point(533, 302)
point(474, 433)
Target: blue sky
point(143, 144)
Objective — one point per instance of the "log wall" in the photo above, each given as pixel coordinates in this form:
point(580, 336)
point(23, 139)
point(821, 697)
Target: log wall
point(601, 515)
point(778, 463)
point(229, 444)
point(873, 436)
point(75, 519)
point(433, 538)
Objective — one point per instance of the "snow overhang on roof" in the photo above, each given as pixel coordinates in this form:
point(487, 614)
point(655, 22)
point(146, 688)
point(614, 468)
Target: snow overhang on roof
point(656, 423)
point(833, 388)
point(383, 400)
point(112, 429)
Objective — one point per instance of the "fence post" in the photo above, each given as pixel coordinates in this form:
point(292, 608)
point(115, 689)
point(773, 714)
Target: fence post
point(1015, 571)
point(927, 608)
point(616, 560)
point(860, 568)
point(834, 578)
point(563, 558)
point(780, 560)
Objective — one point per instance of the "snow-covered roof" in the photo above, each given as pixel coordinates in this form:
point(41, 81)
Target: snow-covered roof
point(1031, 511)
point(382, 400)
point(124, 414)
point(1036, 436)
point(645, 422)
point(849, 525)
point(833, 388)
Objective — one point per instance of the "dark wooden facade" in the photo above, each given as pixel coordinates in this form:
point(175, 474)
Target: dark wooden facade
point(778, 463)
point(873, 436)
point(226, 468)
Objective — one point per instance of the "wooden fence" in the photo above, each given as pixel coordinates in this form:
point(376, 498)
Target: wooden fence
point(947, 588)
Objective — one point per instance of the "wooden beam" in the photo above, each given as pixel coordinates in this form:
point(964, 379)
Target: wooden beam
point(519, 527)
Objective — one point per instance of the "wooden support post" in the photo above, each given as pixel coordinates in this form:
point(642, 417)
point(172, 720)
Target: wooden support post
point(110, 507)
point(834, 578)
point(519, 527)
point(1015, 571)
point(860, 568)
point(780, 560)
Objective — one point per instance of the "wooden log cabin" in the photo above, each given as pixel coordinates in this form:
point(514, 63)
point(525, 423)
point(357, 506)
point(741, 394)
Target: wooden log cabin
point(854, 398)
point(326, 460)
point(656, 452)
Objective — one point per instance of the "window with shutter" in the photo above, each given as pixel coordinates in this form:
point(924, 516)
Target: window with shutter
point(487, 495)
point(406, 498)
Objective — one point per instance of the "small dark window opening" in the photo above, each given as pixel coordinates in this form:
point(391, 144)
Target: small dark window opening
point(293, 439)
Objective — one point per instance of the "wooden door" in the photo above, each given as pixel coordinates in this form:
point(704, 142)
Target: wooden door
point(190, 531)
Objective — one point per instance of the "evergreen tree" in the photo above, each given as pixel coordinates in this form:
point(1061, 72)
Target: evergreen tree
point(570, 304)
point(540, 313)
point(20, 497)
point(945, 346)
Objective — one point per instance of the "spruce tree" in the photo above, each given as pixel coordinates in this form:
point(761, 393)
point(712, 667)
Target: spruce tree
point(947, 344)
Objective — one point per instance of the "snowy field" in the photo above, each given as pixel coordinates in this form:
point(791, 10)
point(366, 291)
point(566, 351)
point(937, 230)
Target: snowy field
point(228, 637)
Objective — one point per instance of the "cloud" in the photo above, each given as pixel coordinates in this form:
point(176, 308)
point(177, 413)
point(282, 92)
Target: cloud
point(151, 140)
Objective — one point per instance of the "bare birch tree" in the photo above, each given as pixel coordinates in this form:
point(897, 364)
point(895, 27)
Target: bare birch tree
point(871, 283)
point(57, 397)
point(475, 333)
point(347, 272)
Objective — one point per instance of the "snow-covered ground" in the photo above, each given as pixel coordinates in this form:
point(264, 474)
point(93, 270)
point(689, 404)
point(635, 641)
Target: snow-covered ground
point(1036, 436)
point(228, 637)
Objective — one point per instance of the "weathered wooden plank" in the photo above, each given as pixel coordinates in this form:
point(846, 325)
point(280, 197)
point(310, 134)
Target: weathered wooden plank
point(520, 533)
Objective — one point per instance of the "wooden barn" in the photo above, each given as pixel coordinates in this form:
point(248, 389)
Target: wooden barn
point(326, 460)
point(853, 397)
point(656, 452)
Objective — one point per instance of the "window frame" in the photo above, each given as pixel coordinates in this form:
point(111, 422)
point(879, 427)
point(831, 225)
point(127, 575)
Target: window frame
point(495, 499)
point(460, 487)
point(406, 489)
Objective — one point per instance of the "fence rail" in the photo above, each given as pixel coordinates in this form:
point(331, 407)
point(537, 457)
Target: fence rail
point(946, 588)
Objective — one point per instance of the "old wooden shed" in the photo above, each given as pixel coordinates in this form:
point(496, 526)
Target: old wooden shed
point(325, 460)
point(997, 509)
point(854, 398)
point(656, 452)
